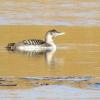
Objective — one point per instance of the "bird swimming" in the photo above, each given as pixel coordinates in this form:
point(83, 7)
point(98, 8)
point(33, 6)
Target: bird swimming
point(36, 44)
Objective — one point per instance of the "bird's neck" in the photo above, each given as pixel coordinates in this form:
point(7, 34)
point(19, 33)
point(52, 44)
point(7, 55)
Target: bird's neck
point(49, 40)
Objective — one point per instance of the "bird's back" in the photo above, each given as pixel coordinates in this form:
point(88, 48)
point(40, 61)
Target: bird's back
point(33, 42)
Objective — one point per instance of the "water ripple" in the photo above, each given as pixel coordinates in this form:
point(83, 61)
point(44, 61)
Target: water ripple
point(50, 12)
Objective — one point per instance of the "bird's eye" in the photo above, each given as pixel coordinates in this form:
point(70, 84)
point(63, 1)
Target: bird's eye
point(52, 33)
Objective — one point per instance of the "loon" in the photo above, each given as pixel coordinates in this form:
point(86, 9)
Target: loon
point(36, 44)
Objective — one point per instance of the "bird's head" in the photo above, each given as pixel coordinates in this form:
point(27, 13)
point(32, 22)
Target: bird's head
point(54, 33)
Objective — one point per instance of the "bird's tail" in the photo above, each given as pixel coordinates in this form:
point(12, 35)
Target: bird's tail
point(10, 46)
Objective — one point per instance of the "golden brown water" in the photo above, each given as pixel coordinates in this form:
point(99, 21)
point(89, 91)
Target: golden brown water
point(73, 72)
point(76, 59)
point(77, 55)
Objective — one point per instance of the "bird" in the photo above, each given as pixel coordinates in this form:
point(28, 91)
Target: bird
point(36, 44)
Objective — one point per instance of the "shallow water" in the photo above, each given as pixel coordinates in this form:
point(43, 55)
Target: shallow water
point(73, 69)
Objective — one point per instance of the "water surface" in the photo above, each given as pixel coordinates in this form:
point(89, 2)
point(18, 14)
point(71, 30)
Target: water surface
point(72, 70)
point(50, 12)
point(78, 52)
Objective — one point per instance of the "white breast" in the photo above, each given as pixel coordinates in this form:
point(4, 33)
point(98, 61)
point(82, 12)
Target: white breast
point(30, 48)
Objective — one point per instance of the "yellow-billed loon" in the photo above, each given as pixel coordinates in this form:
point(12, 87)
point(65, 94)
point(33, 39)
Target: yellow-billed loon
point(36, 44)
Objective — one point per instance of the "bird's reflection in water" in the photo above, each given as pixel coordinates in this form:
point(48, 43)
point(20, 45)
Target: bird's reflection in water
point(50, 58)
point(48, 55)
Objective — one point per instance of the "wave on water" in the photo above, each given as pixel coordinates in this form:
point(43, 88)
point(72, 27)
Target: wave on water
point(50, 12)
point(79, 46)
